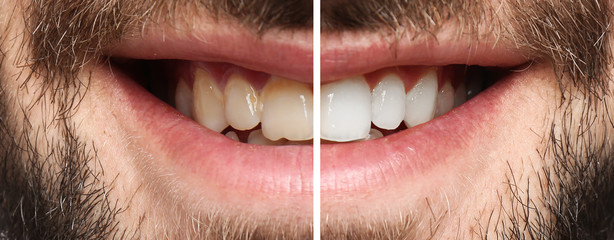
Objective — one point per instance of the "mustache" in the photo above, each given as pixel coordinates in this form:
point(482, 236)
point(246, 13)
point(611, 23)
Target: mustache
point(66, 35)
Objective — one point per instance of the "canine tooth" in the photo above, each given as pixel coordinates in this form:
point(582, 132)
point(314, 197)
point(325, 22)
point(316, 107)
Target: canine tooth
point(208, 102)
point(420, 101)
point(232, 135)
point(184, 98)
point(445, 99)
point(241, 103)
point(388, 102)
point(460, 95)
point(287, 110)
point(345, 111)
point(257, 138)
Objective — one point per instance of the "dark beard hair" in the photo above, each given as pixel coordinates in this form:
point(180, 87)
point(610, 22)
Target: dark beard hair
point(51, 197)
point(577, 186)
point(576, 198)
point(37, 201)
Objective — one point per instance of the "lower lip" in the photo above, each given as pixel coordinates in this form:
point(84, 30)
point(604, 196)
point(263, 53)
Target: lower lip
point(411, 154)
point(210, 158)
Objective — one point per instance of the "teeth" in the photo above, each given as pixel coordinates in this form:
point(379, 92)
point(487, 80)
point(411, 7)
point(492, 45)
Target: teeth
point(284, 107)
point(208, 102)
point(445, 99)
point(346, 110)
point(257, 138)
point(388, 102)
point(287, 110)
point(232, 135)
point(460, 95)
point(184, 98)
point(241, 103)
point(421, 100)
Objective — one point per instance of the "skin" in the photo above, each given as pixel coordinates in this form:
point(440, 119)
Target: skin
point(73, 170)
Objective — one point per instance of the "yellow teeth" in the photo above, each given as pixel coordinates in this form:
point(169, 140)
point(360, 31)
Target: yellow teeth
point(287, 110)
point(184, 99)
point(241, 103)
point(284, 108)
point(208, 102)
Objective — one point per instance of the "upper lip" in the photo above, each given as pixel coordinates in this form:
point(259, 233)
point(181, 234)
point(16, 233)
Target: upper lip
point(282, 53)
point(352, 53)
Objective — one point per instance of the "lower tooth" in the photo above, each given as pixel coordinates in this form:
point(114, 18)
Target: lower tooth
point(208, 102)
point(445, 99)
point(257, 138)
point(373, 134)
point(421, 99)
point(184, 98)
point(232, 135)
point(307, 142)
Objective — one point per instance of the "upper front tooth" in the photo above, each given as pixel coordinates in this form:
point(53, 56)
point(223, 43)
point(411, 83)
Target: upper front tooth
point(445, 99)
point(208, 102)
point(241, 103)
point(346, 110)
point(388, 102)
point(421, 100)
point(287, 110)
point(184, 98)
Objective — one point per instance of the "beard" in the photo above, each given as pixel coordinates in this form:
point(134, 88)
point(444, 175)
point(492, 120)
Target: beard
point(54, 196)
point(60, 196)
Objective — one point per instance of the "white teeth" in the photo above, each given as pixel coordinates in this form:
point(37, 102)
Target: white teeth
point(445, 99)
point(184, 98)
point(208, 102)
point(460, 95)
point(232, 135)
point(421, 100)
point(346, 110)
point(287, 110)
point(388, 102)
point(241, 103)
point(256, 137)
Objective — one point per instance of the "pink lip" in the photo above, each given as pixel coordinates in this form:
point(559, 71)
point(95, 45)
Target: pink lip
point(364, 166)
point(211, 156)
point(259, 170)
point(351, 54)
point(290, 56)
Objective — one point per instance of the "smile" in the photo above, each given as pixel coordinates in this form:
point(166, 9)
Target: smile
point(237, 118)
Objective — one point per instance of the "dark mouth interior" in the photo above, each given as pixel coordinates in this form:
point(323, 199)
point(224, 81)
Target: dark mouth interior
point(159, 78)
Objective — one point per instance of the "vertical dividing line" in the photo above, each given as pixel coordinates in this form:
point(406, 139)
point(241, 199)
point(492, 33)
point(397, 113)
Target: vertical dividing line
point(316, 119)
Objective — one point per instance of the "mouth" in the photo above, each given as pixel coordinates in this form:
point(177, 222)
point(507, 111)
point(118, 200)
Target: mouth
point(231, 113)
point(258, 108)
